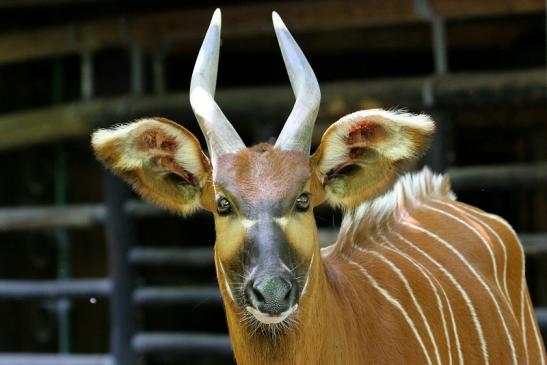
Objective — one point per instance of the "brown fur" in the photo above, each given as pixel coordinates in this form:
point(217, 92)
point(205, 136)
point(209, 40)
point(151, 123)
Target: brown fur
point(344, 320)
point(253, 174)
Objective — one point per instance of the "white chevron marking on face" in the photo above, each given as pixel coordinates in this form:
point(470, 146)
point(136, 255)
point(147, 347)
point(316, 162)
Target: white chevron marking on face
point(282, 221)
point(248, 223)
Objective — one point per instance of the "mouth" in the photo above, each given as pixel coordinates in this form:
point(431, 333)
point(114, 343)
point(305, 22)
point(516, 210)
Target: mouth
point(271, 319)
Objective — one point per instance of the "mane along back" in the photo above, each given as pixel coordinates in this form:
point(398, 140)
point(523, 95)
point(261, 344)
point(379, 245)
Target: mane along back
point(375, 215)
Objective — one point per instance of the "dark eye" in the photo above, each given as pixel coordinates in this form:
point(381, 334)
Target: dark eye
point(303, 202)
point(224, 207)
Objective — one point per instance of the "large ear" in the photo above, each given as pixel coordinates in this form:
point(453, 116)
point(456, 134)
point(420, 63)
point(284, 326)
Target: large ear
point(161, 160)
point(362, 154)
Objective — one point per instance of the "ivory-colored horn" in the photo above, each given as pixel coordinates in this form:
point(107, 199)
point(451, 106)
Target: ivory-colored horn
point(297, 132)
point(220, 135)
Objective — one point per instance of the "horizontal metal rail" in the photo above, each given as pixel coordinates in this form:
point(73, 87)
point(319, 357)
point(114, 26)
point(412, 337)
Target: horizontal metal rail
point(85, 215)
point(159, 296)
point(499, 176)
point(185, 343)
point(48, 289)
point(70, 216)
point(54, 359)
point(534, 243)
point(162, 256)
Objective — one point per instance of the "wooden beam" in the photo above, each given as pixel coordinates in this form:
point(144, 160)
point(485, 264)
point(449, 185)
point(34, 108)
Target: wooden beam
point(245, 106)
point(473, 8)
point(240, 22)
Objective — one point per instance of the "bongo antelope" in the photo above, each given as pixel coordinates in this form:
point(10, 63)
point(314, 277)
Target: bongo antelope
point(415, 277)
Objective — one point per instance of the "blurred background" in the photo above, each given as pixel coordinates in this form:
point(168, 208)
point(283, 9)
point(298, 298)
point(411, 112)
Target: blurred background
point(89, 274)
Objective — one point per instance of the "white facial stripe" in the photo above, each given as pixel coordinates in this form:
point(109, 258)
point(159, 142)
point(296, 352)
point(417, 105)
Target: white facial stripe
point(269, 319)
point(281, 221)
point(228, 289)
point(308, 278)
point(248, 223)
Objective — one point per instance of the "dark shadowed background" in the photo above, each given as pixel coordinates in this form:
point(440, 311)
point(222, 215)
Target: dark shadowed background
point(89, 270)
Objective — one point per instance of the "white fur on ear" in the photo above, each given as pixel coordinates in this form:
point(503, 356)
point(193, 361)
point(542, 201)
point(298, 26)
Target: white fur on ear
point(160, 159)
point(132, 156)
point(399, 142)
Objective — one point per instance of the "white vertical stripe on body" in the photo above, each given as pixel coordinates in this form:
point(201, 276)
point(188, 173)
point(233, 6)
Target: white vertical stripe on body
point(477, 233)
point(464, 294)
point(429, 277)
point(523, 304)
point(394, 302)
point(477, 276)
point(492, 231)
point(403, 278)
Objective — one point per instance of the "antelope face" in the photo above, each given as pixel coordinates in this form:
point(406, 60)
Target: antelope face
point(262, 197)
point(266, 233)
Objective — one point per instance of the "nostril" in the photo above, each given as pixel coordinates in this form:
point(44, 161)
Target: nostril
point(289, 290)
point(258, 295)
point(254, 295)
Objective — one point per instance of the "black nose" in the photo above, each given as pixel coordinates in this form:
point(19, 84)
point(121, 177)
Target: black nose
point(271, 294)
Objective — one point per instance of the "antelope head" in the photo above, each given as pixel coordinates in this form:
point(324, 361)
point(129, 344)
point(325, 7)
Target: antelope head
point(262, 198)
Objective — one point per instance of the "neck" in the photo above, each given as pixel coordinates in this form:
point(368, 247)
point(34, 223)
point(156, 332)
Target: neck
point(311, 338)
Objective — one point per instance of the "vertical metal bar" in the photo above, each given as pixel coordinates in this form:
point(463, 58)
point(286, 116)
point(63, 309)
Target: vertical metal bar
point(86, 74)
point(61, 235)
point(438, 34)
point(137, 79)
point(440, 57)
point(64, 267)
point(159, 72)
point(437, 156)
point(120, 236)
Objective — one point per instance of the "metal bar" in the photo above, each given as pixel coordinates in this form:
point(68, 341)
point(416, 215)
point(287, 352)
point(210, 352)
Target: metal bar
point(137, 77)
point(541, 316)
point(534, 243)
point(187, 257)
point(46, 289)
point(160, 296)
point(498, 176)
point(425, 10)
point(158, 68)
point(120, 236)
point(86, 74)
point(185, 343)
point(72, 216)
point(64, 252)
point(51, 359)
point(440, 53)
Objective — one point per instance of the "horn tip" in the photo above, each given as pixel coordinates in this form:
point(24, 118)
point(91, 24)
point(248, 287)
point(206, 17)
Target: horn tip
point(217, 17)
point(278, 23)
